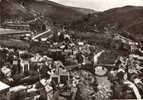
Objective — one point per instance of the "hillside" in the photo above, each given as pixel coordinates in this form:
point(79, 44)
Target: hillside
point(12, 9)
point(50, 10)
point(128, 18)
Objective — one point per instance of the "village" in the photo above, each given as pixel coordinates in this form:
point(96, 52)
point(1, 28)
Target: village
point(42, 64)
point(45, 60)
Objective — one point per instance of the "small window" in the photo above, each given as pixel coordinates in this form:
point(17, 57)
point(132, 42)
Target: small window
point(63, 78)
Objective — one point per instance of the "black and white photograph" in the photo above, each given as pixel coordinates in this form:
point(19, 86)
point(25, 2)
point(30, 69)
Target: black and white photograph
point(71, 49)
